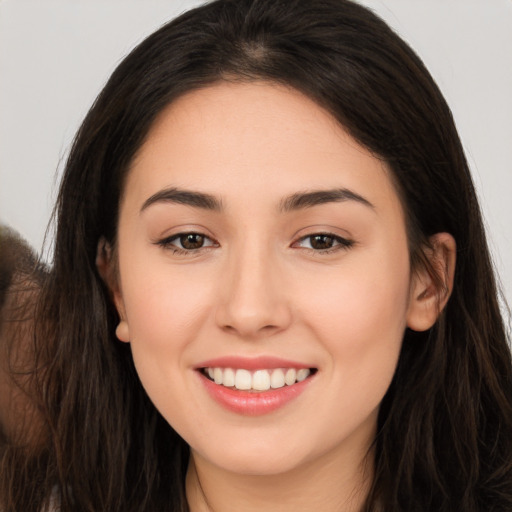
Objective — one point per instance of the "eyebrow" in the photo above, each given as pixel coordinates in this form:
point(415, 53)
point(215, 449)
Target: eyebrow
point(296, 201)
point(308, 199)
point(186, 197)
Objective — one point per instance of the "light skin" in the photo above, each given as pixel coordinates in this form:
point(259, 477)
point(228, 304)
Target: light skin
point(303, 255)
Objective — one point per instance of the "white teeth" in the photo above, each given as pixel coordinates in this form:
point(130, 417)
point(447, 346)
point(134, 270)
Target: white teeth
point(243, 379)
point(290, 377)
point(277, 379)
point(302, 374)
point(229, 378)
point(217, 375)
point(259, 380)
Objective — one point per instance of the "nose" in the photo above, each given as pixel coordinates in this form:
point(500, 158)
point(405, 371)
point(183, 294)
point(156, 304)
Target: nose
point(252, 297)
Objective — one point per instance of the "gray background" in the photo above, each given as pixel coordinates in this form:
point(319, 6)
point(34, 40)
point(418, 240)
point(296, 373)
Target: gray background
point(55, 55)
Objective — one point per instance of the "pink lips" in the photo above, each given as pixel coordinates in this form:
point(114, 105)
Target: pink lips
point(251, 403)
point(253, 363)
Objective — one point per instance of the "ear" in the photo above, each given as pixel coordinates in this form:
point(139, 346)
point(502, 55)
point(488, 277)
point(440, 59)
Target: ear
point(431, 285)
point(107, 268)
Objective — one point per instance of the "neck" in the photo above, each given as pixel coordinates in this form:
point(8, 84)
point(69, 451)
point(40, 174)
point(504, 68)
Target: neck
point(333, 484)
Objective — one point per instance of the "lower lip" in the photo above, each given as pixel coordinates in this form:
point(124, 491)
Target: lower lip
point(255, 403)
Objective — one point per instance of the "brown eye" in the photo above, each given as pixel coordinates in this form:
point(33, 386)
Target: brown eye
point(320, 242)
point(324, 243)
point(187, 242)
point(191, 241)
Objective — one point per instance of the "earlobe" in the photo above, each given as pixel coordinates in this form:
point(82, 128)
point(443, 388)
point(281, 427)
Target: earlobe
point(432, 284)
point(105, 263)
point(122, 331)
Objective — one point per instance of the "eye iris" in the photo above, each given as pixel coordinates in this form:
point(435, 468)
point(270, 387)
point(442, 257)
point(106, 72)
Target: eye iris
point(192, 241)
point(322, 241)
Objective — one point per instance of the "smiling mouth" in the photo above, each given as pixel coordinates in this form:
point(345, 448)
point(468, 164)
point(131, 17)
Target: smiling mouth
point(258, 380)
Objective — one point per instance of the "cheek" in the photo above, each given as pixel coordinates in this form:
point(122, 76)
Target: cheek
point(165, 308)
point(358, 299)
point(360, 318)
point(164, 311)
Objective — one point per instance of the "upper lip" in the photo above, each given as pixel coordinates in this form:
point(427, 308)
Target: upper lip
point(251, 363)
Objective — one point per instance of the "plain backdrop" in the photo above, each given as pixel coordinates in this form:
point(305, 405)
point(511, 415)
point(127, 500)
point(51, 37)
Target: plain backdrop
point(55, 55)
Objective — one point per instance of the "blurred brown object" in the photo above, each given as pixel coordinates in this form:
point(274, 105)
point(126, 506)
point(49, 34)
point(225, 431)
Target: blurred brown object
point(21, 277)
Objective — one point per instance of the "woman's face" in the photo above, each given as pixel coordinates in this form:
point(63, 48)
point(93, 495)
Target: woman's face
point(259, 245)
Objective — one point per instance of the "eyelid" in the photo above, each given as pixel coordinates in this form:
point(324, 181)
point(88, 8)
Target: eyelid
point(205, 237)
point(180, 229)
point(166, 242)
point(342, 242)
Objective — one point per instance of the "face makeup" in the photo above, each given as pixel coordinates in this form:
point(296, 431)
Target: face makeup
point(264, 279)
point(254, 386)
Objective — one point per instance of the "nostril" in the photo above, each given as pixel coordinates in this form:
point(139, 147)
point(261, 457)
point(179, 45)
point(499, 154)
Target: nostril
point(248, 330)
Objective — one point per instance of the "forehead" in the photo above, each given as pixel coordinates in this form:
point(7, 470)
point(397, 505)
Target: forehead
point(271, 140)
point(246, 114)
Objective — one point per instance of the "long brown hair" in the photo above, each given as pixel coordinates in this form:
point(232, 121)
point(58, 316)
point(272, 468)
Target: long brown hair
point(445, 427)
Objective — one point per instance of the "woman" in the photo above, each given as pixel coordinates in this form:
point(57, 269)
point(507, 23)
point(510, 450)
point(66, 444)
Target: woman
point(271, 282)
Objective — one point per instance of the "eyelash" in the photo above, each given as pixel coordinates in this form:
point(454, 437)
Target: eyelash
point(167, 243)
point(339, 242)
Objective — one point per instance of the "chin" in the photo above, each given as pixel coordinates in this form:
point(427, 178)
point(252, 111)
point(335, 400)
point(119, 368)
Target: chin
point(262, 463)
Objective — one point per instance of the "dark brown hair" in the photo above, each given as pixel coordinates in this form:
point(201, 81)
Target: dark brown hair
point(21, 426)
point(445, 428)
